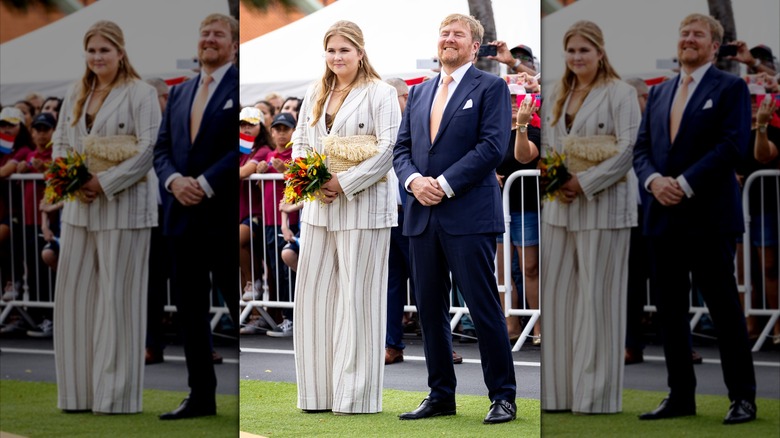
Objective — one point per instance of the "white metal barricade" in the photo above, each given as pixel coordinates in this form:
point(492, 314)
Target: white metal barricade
point(38, 297)
point(763, 177)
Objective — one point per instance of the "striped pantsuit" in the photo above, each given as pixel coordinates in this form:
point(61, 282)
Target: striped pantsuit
point(584, 275)
point(340, 319)
point(100, 319)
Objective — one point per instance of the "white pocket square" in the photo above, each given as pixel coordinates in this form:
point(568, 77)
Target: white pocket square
point(468, 104)
point(228, 104)
point(707, 104)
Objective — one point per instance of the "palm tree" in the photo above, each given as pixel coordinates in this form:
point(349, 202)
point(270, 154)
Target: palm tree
point(482, 10)
point(722, 11)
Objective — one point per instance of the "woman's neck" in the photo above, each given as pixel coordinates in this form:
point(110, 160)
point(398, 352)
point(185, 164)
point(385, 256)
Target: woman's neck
point(343, 83)
point(583, 82)
point(104, 82)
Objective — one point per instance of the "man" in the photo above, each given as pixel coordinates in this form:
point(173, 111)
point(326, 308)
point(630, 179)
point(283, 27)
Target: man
point(196, 159)
point(399, 269)
point(694, 132)
point(452, 136)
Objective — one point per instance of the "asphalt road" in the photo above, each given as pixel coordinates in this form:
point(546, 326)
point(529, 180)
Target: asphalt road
point(266, 358)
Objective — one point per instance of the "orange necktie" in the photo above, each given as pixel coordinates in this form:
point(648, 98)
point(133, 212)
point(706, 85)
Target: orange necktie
point(438, 106)
point(679, 107)
point(199, 107)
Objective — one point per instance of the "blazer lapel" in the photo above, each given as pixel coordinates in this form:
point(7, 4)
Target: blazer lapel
point(219, 99)
point(428, 91)
point(596, 99)
point(111, 104)
point(696, 102)
point(351, 103)
point(470, 82)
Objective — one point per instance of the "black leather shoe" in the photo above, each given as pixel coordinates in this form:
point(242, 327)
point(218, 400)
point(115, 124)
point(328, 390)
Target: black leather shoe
point(741, 411)
point(670, 409)
point(501, 411)
point(190, 409)
point(428, 408)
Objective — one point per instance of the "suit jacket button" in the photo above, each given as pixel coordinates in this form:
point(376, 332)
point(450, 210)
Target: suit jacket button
point(361, 125)
point(121, 125)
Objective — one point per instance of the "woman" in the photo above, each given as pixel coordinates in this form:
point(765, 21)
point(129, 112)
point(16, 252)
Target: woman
point(291, 105)
point(522, 153)
point(593, 118)
point(52, 106)
point(764, 228)
point(340, 295)
point(251, 124)
point(29, 111)
point(11, 126)
point(100, 298)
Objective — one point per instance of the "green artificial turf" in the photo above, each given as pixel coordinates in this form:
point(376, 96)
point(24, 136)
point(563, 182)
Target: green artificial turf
point(710, 410)
point(268, 409)
point(30, 409)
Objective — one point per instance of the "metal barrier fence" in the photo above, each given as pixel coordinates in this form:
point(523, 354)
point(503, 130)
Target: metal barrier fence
point(38, 297)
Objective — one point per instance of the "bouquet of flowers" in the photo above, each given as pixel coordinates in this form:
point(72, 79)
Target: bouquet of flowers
point(64, 177)
point(304, 178)
point(553, 174)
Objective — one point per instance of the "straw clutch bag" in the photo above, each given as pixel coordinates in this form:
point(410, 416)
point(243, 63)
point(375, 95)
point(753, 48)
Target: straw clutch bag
point(104, 153)
point(582, 153)
point(346, 152)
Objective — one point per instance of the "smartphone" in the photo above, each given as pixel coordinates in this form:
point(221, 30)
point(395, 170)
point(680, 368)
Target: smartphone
point(776, 96)
point(428, 64)
point(187, 64)
point(536, 97)
point(487, 50)
point(727, 50)
point(667, 64)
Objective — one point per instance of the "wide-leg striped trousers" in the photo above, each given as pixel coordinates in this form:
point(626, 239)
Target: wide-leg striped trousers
point(584, 276)
point(340, 319)
point(100, 319)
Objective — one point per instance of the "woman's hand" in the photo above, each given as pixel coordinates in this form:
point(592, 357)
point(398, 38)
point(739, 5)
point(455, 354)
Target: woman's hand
point(331, 189)
point(570, 190)
point(526, 110)
point(765, 110)
point(262, 167)
point(90, 190)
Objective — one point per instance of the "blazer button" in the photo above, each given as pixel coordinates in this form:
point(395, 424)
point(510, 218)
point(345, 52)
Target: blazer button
point(121, 125)
point(361, 126)
point(601, 125)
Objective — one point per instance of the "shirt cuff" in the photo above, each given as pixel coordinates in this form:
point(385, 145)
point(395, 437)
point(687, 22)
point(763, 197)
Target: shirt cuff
point(410, 179)
point(206, 186)
point(685, 186)
point(650, 179)
point(445, 186)
point(170, 180)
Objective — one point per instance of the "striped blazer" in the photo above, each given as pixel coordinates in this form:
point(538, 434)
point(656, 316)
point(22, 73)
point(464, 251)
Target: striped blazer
point(367, 202)
point(610, 188)
point(128, 201)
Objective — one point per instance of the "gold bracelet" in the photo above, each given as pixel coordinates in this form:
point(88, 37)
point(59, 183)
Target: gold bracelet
point(521, 125)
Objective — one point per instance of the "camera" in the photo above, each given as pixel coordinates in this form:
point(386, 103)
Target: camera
point(487, 50)
point(667, 64)
point(727, 50)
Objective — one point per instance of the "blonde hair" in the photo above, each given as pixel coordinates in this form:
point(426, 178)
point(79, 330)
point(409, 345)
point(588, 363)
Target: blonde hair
point(365, 74)
point(716, 29)
point(227, 19)
point(591, 32)
point(113, 33)
point(477, 31)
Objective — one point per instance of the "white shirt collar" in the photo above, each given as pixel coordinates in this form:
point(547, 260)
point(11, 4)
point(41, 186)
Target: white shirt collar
point(217, 74)
point(458, 74)
point(697, 74)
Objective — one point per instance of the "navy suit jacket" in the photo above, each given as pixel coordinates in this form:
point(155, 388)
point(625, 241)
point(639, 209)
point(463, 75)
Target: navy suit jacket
point(472, 137)
point(711, 142)
point(214, 154)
